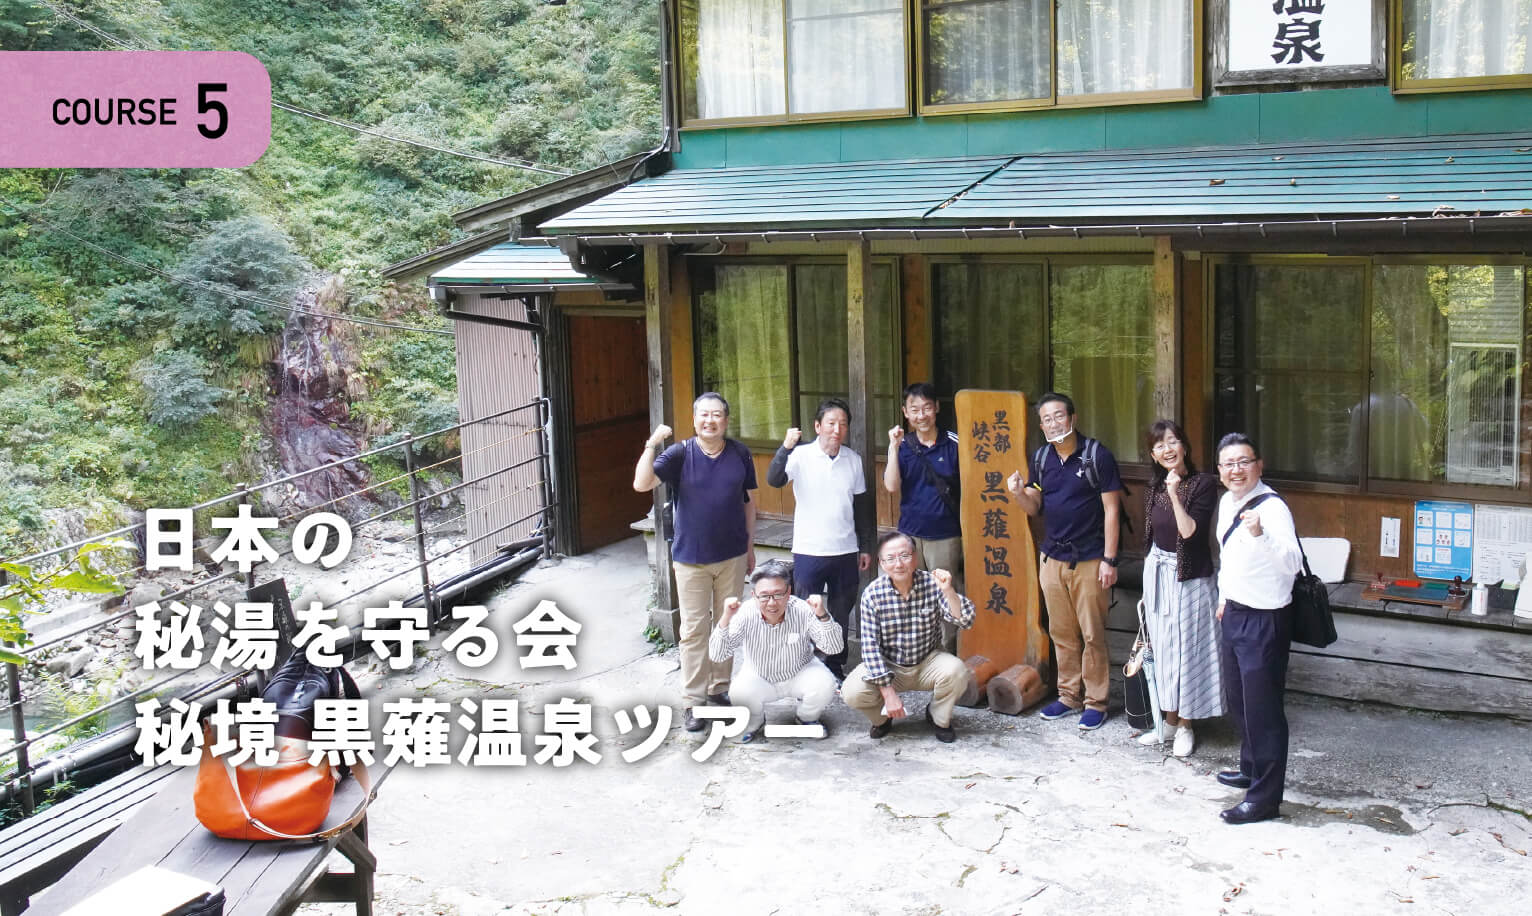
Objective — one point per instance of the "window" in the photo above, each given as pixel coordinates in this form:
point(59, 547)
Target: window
point(772, 334)
point(775, 60)
point(1099, 346)
point(1374, 374)
point(978, 54)
point(1462, 44)
point(1446, 382)
point(1289, 363)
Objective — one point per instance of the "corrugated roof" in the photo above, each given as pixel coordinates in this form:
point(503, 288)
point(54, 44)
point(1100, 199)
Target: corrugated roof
point(1400, 177)
point(512, 264)
point(831, 194)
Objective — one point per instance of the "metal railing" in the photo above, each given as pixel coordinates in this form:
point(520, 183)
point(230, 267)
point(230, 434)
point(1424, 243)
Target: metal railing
point(527, 429)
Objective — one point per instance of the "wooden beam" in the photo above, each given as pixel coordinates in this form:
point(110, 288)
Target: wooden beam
point(657, 315)
point(858, 379)
point(1167, 330)
point(913, 288)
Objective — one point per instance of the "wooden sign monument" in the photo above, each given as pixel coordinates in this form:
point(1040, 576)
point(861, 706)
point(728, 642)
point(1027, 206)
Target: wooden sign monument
point(1006, 650)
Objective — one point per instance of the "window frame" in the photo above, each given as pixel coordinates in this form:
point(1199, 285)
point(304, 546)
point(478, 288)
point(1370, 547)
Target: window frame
point(1365, 483)
point(788, 117)
point(1054, 100)
point(1401, 86)
point(791, 263)
point(1134, 468)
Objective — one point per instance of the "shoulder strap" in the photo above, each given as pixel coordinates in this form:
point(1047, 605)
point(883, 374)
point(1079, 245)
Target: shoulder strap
point(1037, 464)
point(1249, 504)
point(1092, 476)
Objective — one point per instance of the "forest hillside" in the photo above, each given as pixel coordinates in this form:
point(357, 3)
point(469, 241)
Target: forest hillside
point(144, 313)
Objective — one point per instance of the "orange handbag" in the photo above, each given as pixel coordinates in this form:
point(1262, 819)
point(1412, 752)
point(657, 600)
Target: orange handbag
point(288, 800)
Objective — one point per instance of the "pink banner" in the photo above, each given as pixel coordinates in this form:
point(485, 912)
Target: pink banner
point(133, 109)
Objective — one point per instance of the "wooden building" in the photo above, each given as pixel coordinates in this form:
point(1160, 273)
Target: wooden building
point(1307, 221)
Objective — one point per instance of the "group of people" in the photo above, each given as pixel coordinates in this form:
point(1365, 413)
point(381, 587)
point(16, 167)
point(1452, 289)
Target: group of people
point(1218, 646)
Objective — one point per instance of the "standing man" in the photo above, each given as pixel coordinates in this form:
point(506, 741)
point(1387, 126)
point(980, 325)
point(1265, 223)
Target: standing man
point(832, 520)
point(923, 472)
point(778, 633)
point(711, 478)
point(1073, 482)
point(1260, 560)
point(902, 613)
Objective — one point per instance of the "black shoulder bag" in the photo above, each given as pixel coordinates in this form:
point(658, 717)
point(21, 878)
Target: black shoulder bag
point(1312, 620)
point(943, 488)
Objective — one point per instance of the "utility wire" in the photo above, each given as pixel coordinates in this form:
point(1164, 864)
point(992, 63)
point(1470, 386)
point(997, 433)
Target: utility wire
point(328, 119)
point(17, 210)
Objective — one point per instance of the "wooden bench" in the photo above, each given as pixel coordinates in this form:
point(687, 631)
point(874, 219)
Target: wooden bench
point(258, 878)
point(36, 852)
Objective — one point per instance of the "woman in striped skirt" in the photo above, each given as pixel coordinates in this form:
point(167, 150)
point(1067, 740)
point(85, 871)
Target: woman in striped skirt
point(1179, 594)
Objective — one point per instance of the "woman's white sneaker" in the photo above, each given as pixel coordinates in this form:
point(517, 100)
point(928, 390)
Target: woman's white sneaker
point(1185, 742)
point(1151, 738)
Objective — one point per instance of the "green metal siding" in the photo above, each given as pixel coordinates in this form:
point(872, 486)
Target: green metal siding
point(1262, 117)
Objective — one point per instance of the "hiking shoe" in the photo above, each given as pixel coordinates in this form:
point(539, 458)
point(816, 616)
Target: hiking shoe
point(1058, 709)
point(1185, 741)
point(693, 724)
point(1092, 719)
point(718, 699)
point(881, 729)
point(753, 735)
point(944, 733)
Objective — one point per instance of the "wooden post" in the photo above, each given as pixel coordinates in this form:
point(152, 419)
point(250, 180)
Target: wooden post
point(1167, 336)
point(665, 616)
point(862, 438)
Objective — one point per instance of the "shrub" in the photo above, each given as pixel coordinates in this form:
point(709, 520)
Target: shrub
point(176, 391)
point(245, 257)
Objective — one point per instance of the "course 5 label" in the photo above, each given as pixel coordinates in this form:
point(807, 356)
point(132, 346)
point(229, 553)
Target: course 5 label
point(133, 109)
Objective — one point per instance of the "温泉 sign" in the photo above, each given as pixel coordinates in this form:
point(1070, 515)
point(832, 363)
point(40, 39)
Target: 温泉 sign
point(1299, 34)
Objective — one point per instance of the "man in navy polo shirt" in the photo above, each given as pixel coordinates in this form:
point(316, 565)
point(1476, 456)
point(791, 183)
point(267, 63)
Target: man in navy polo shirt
point(1073, 482)
point(922, 470)
point(712, 478)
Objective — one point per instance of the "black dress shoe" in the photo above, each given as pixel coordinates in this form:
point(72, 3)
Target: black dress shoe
point(693, 724)
point(944, 733)
point(718, 699)
point(1246, 813)
point(881, 729)
point(1234, 779)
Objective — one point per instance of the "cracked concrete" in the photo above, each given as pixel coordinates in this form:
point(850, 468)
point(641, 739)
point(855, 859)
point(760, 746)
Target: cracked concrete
point(1387, 809)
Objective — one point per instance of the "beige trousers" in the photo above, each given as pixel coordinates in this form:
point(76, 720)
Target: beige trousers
point(1077, 608)
point(943, 553)
point(941, 673)
point(701, 590)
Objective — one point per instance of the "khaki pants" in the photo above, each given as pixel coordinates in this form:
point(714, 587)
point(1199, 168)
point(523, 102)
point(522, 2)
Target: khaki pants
point(942, 674)
point(1077, 608)
point(701, 590)
point(943, 553)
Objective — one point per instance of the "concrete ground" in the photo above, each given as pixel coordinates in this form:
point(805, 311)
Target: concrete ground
point(1387, 811)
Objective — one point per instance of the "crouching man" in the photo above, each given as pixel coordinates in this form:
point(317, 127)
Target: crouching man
point(779, 634)
point(902, 613)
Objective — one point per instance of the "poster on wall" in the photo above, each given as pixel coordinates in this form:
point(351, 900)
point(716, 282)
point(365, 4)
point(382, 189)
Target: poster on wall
point(1443, 540)
point(1301, 39)
point(1502, 539)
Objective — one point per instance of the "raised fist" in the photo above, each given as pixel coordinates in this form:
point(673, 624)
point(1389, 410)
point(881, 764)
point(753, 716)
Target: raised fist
point(661, 433)
point(943, 578)
point(731, 605)
point(817, 602)
point(896, 436)
point(1015, 484)
point(792, 437)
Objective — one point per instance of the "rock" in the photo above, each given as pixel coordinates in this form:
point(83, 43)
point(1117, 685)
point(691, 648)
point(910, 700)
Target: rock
point(143, 593)
point(73, 663)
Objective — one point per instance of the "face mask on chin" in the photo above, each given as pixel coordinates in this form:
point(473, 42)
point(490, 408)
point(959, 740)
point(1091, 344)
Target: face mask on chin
point(1055, 440)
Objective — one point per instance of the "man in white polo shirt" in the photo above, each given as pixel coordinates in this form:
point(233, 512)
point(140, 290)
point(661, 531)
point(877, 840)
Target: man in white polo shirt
point(832, 524)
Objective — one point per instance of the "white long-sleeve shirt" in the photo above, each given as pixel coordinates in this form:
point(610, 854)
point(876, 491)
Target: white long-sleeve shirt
point(1258, 572)
point(777, 652)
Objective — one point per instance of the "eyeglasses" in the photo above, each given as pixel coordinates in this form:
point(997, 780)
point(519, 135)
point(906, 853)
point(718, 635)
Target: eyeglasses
point(770, 596)
point(1238, 464)
point(899, 558)
point(1165, 445)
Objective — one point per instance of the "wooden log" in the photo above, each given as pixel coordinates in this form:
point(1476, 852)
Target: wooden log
point(980, 670)
point(1015, 689)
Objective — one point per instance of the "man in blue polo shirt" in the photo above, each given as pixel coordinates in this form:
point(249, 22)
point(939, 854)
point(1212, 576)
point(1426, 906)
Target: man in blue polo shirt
point(712, 478)
point(1073, 482)
point(922, 470)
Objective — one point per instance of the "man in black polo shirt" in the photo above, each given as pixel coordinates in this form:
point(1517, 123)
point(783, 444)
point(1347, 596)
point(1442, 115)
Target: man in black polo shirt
point(1073, 482)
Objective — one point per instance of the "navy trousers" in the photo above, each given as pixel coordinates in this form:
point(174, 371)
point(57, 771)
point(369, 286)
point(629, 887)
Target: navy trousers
point(842, 580)
point(1254, 647)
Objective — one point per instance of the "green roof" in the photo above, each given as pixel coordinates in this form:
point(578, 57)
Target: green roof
point(1466, 174)
point(513, 264)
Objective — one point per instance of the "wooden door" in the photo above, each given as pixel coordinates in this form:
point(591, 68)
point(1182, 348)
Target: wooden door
point(610, 407)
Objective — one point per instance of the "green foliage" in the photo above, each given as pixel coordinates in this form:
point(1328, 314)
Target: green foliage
point(176, 392)
point(28, 589)
point(232, 272)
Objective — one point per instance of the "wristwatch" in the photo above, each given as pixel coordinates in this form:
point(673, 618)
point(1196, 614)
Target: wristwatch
point(1110, 561)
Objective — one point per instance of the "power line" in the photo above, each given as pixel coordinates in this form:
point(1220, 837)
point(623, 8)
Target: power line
point(16, 210)
point(318, 116)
